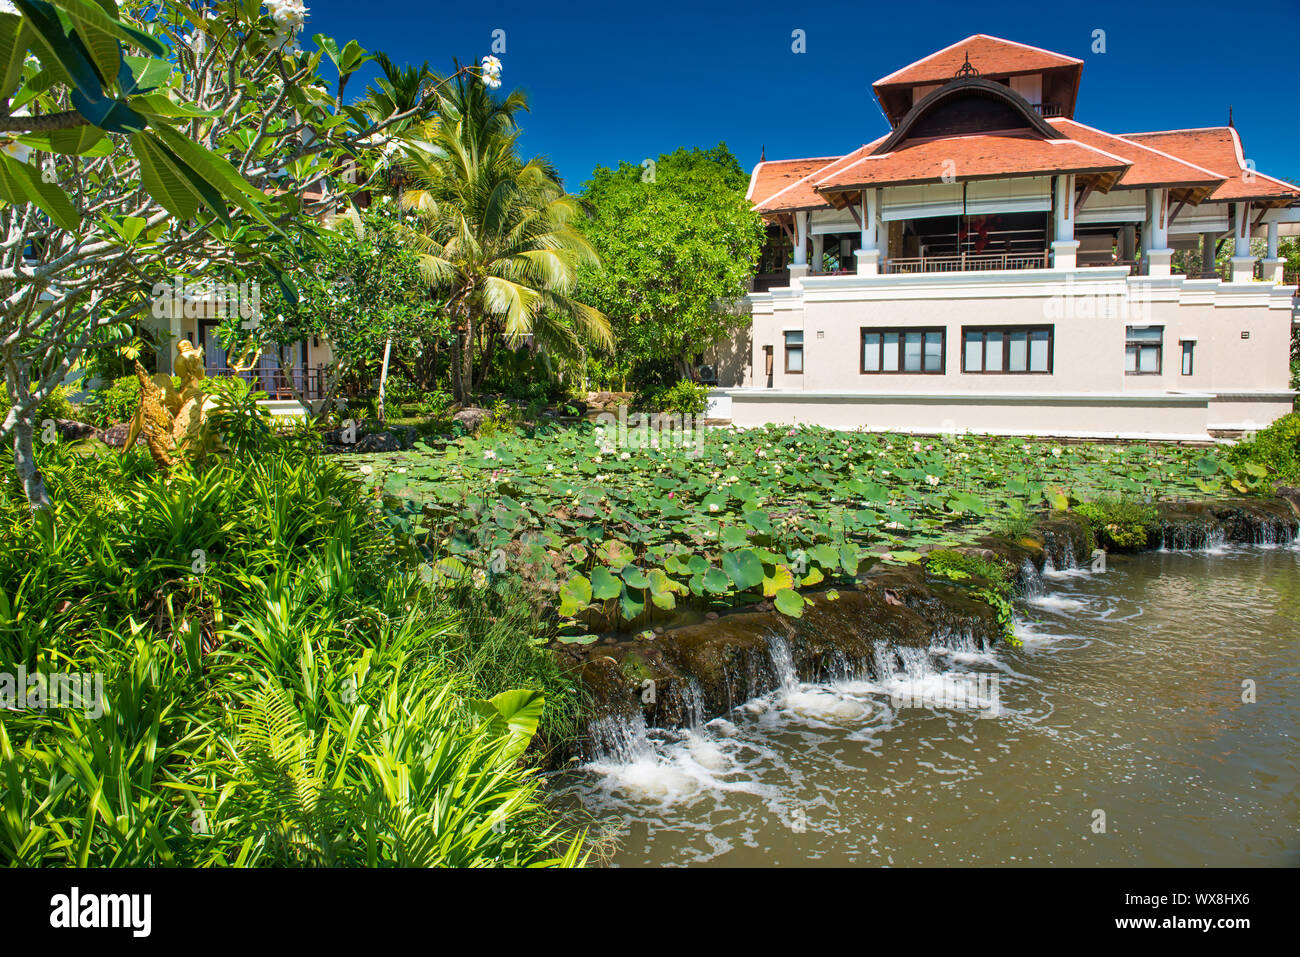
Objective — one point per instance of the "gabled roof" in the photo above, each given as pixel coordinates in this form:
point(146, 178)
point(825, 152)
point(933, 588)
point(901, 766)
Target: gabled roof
point(1218, 148)
point(772, 176)
point(973, 156)
point(1149, 167)
point(990, 55)
point(793, 193)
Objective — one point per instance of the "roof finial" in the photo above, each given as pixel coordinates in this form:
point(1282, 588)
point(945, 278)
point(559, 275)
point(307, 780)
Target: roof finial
point(1230, 114)
point(966, 71)
point(762, 155)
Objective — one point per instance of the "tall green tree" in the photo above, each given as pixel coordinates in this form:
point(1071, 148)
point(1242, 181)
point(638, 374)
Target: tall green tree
point(679, 243)
point(496, 235)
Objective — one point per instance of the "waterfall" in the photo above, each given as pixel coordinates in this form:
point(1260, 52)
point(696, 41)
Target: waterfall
point(619, 739)
point(782, 662)
point(1031, 582)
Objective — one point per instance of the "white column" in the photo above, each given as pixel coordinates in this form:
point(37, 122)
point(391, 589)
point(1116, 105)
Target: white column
point(1272, 265)
point(819, 249)
point(1243, 263)
point(1065, 248)
point(1155, 233)
point(869, 254)
point(799, 268)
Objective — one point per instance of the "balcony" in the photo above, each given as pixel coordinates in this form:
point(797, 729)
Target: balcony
point(969, 262)
point(279, 383)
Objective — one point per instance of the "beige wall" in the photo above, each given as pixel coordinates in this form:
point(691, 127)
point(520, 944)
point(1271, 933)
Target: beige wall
point(1087, 391)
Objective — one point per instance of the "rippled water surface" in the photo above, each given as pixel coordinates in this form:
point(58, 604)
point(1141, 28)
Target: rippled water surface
point(1125, 701)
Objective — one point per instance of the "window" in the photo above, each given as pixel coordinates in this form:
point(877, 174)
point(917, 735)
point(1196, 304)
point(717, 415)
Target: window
point(1142, 350)
point(794, 352)
point(1007, 349)
point(1189, 346)
point(902, 350)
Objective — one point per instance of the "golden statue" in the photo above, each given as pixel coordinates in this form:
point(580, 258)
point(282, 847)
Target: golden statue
point(173, 420)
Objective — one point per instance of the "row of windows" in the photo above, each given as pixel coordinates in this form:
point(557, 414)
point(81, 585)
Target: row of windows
point(1000, 350)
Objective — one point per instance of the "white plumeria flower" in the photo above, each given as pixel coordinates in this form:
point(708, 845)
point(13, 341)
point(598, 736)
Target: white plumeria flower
point(491, 66)
point(15, 150)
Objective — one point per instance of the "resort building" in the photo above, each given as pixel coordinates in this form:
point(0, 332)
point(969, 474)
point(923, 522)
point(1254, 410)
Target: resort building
point(993, 264)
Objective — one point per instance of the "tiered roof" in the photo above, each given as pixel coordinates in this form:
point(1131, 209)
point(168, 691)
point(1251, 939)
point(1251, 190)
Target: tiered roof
point(1196, 165)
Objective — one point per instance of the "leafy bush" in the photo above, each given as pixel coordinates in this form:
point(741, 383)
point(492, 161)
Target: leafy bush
point(114, 403)
point(682, 398)
point(280, 686)
point(1119, 524)
point(57, 406)
point(1276, 448)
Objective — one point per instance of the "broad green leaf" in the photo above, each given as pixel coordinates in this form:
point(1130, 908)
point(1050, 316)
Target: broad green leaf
point(716, 581)
point(789, 602)
point(603, 584)
point(21, 183)
point(743, 568)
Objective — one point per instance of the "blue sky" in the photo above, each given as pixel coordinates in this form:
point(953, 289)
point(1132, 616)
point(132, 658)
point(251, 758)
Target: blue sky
point(632, 79)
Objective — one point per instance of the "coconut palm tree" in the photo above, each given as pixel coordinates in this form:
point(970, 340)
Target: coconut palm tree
point(496, 234)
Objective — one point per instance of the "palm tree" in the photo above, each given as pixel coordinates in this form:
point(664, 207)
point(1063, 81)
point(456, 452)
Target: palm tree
point(497, 235)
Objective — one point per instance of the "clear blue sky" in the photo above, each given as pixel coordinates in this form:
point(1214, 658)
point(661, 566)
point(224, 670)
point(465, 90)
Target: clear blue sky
point(628, 79)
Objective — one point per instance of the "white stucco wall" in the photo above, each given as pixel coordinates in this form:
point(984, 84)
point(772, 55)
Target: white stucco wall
point(1235, 382)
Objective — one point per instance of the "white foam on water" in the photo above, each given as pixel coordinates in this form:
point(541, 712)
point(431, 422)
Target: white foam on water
point(1056, 603)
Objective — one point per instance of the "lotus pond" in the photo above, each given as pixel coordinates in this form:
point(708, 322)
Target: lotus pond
point(617, 534)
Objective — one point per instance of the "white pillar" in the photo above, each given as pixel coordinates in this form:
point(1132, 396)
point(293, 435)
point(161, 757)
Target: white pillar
point(799, 268)
point(1155, 233)
point(819, 249)
point(1272, 265)
point(869, 254)
point(1065, 248)
point(1243, 263)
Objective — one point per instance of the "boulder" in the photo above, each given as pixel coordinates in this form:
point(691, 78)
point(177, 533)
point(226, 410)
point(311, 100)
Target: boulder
point(71, 430)
point(378, 442)
point(471, 419)
point(115, 435)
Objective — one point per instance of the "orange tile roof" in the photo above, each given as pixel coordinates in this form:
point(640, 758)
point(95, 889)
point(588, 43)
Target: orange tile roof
point(989, 55)
point(1150, 167)
point(772, 176)
point(1218, 148)
point(793, 194)
point(972, 156)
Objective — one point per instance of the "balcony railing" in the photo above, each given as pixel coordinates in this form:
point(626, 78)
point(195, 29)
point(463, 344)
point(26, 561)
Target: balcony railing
point(279, 383)
point(969, 262)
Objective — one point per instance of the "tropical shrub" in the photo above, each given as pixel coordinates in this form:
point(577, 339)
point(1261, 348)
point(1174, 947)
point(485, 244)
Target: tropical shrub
point(1276, 449)
point(57, 405)
point(1119, 524)
point(114, 403)
point(683, 397)
point(280, 685)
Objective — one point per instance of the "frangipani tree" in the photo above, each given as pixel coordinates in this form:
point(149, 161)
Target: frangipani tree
point(149, 140)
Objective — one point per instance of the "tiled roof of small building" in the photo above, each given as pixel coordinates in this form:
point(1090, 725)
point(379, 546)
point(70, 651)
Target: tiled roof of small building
point(1218, 148)
point(990, 55)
